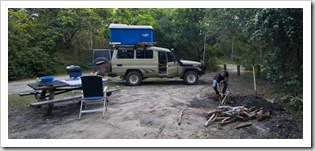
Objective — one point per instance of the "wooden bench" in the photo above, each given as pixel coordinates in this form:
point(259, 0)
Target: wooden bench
point(30, 93)
point(108, 93)
point(55, 100)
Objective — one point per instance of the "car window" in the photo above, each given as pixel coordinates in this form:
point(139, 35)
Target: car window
point(102, 53)
point(144, 54)
point(125, 54)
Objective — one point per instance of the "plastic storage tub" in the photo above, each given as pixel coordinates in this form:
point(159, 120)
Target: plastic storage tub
point(47, 79)
point(122, 34)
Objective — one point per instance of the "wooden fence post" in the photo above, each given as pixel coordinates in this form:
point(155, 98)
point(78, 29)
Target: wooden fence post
point(238, 70)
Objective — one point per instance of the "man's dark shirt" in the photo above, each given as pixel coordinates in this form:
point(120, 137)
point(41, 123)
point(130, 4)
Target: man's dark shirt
point(219, 78)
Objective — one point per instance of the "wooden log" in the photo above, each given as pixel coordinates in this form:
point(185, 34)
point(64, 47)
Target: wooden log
point(220, 118)
point(260, 112)
point(251, 109)
point(209, 113)
point(215, 117)
point(236, 116)
point(261, 117)
point(248, 115)
point(225, 119)
point(228, 121)
point(225, 107)
point(244, 124)
point(210, 120)
point(223, 101)
point(180, 117)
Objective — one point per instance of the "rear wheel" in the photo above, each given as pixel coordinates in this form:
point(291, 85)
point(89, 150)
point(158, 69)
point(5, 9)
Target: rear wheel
point(191, 78)
point(134, 78)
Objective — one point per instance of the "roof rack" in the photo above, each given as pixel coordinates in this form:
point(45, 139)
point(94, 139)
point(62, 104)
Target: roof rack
point(138, 44)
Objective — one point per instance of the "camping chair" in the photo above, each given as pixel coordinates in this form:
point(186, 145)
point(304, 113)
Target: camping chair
point(93, 92)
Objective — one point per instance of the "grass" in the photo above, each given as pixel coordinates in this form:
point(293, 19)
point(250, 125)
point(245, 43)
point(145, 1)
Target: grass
point(16, 101)
point(65, 59)
point(278, 94)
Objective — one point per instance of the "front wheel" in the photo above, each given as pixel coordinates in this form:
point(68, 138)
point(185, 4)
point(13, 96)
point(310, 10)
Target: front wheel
point(191, 78)
point(134, 78)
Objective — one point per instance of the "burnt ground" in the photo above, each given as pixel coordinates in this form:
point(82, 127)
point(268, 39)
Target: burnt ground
point(151, 111)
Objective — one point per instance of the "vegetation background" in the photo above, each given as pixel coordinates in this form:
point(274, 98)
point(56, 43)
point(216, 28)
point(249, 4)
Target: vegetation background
point(43, 41)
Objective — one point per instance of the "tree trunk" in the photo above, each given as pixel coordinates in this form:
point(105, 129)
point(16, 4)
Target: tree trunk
point(232, 51)
point(258, 71)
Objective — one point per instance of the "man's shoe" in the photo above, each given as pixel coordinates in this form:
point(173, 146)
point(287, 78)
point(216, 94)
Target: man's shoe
point(216, 97)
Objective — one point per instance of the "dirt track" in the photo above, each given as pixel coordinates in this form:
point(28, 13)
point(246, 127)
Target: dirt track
point(151, 111)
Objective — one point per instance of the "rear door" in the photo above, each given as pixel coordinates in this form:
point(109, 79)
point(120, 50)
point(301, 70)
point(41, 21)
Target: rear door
point(102, 60)
point(172, 65)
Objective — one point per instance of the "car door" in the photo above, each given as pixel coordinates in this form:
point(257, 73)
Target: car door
point(172, 65)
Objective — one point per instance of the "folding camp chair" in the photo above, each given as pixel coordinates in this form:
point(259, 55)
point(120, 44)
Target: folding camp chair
point(93, 92)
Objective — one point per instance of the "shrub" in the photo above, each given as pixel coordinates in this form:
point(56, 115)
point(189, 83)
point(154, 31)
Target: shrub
point(29, 63)
point(294, 104)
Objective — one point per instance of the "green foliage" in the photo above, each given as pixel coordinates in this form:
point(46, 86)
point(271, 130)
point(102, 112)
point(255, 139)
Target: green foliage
point(236, 59)
point(213, 53)
point(294, 104)
point(135, 16)
point(66, 59)
point(24, 59)
point(281, 30)
point(180, 29)
point(30, 63)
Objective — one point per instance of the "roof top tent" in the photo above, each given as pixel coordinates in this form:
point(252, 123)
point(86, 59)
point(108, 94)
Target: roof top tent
point(122, 34)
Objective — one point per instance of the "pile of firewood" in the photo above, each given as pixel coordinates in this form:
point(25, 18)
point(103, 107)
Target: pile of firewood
point(229, 114)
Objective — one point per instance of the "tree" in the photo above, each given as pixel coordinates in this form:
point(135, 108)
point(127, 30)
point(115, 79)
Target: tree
point(25, 59)
point(282, 31)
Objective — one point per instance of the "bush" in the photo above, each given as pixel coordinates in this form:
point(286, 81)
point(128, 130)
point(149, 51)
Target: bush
point(212, 64)
point(294, 104)
point(29, 63)
point(212, 55)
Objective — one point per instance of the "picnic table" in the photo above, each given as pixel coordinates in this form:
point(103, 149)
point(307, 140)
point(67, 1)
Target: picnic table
point(45, 92)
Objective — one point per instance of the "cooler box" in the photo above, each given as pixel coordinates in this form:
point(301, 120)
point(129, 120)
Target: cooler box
point(74, 71)
point(122, 34)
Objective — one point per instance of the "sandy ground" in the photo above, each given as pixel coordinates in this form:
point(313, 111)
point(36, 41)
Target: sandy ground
point(149, 111)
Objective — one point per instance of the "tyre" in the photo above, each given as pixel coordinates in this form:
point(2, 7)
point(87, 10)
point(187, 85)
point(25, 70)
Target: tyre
point(191, 78)
point(134, 78)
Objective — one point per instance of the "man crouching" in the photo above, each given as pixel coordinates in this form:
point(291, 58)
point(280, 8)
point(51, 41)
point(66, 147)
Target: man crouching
point(221, 77)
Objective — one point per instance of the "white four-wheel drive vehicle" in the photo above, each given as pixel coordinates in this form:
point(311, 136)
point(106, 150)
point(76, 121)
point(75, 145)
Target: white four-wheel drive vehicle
point(135, 64)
